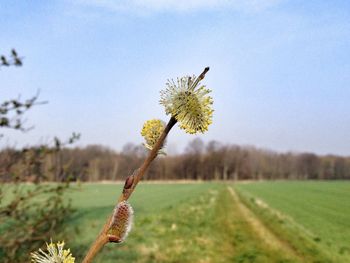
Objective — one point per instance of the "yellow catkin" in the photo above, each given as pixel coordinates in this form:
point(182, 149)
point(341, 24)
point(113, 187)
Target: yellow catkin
point(190, 105)
point(151, 131)
point(54, 253)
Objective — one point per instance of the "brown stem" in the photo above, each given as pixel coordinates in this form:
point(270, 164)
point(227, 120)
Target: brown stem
point(200, 77)
point(131, 183)
point(102, 238)
point(151, 156)
point(95, 248)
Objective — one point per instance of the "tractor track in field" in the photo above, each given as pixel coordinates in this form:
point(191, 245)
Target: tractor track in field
point(261, 230)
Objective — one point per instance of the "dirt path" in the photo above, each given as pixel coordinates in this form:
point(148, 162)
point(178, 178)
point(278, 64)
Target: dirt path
point(260, 229)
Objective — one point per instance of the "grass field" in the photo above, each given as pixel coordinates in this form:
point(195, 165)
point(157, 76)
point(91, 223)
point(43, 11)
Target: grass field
point(318, 212)
point(217, 222)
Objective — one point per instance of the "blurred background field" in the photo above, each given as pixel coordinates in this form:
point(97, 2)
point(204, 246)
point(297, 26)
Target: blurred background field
point(316, 212)
point(203, 222)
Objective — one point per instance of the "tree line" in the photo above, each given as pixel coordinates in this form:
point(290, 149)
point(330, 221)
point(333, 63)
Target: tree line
point(199, 161)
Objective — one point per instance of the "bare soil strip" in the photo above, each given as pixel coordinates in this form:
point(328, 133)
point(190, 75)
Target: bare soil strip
point(260, 229)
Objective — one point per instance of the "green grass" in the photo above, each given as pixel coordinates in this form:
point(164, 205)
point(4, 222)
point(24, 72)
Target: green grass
point(315, 215)
point(164, 216)
point(173, 223)
point(203, 222)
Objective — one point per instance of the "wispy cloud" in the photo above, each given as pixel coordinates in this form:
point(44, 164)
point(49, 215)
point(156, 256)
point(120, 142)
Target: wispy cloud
point(158, 6)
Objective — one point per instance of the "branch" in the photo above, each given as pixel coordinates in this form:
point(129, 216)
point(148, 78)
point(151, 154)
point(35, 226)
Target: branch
point(14, 60)
point(11, 112)
point(130, 185)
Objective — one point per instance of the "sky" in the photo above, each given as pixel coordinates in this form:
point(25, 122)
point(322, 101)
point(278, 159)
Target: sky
point(279, 70)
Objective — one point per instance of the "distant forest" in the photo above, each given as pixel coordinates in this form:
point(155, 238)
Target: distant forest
point(200, 161)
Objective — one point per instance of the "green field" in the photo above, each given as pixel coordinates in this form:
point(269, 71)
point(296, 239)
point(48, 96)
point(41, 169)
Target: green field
point(319, 210)
point(217, 222)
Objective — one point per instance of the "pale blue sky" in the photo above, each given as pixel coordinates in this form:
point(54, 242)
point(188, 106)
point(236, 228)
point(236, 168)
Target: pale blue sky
point(280, 70)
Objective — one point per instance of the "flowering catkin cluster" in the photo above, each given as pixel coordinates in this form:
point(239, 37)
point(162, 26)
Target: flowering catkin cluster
point(188, 102)
point(151, 131)
point(55, 254)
